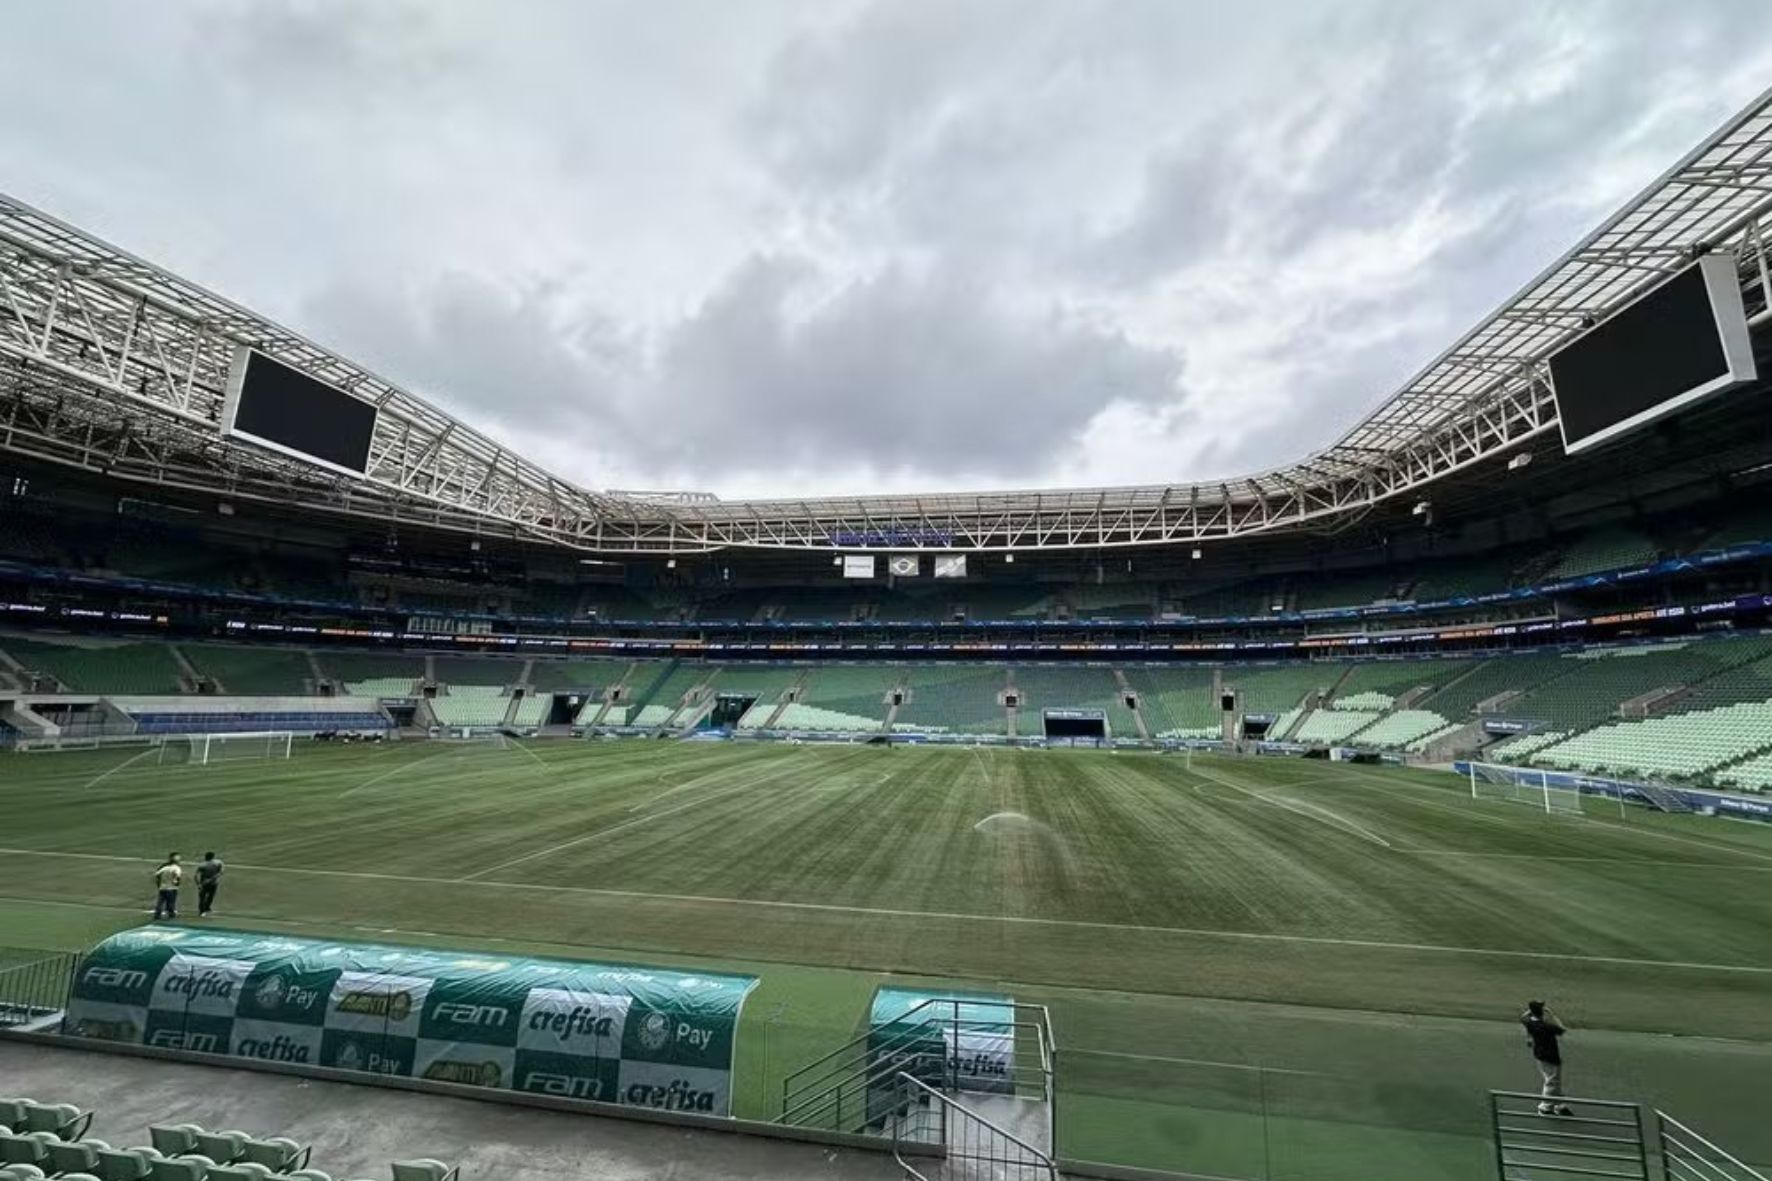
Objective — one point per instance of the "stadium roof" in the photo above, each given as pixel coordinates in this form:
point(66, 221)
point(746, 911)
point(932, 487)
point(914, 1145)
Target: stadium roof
point(112, 364)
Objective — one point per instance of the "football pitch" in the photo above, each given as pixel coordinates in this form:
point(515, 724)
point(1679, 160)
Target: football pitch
point(1255, 967)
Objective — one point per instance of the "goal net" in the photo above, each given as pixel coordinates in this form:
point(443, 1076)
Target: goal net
point(1522, 785)
point(205, 749)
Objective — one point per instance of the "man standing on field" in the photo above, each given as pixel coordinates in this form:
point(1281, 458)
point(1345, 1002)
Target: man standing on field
point(1543, 1033)
point(209, 871)
point(166, 881)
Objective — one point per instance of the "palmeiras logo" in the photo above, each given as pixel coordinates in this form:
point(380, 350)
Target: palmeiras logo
point(655, 1031)
point(269, 993)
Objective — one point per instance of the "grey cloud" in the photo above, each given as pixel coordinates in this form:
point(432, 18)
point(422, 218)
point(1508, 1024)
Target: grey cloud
point(920, 375)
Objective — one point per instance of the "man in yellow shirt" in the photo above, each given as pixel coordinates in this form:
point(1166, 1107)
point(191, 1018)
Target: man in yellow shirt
point(166, 880)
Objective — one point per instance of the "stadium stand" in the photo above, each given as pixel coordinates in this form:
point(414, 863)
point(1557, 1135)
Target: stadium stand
point(842, 699)
point(1278, 688)
point(1176, 702)
point(1017, 603)
point(1751, 774)
point(1457, 699)
point(1332, 725)
point(240, 669)
point(1606, 549)
point(1043, 687)
point(899, 606)
point(532, 710)
point(1402, 729)
point(471, 706)
point(97, 666)
point(1349, 589)
point(814, 604)
point(962, 699)
point(476, 670)
point(357, 669)
point(659, 699)
point(585, 676)
point(1679, 746)
point(1128, 600)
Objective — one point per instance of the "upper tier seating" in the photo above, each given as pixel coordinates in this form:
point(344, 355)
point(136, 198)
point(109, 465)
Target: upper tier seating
point(350, 667)
point(97, 666)
point(1606, 549)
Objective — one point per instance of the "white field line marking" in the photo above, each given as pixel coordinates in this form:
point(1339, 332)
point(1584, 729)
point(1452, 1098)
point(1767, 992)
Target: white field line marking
point(602, 832)
point(1018, 920)
point(1722, 865)
point(535, 758)
point(1308, 811)
point(1713, 846)
point(1131, 1057)
point(98, 779)
point(392, 771)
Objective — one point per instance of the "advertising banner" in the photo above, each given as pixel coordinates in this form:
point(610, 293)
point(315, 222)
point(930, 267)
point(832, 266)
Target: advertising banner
point(951, 1041)
point(614, 1033)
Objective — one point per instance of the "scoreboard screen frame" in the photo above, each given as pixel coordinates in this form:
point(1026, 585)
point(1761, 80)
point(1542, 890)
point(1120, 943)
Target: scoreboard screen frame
point(1721, 282)
point(244, 358)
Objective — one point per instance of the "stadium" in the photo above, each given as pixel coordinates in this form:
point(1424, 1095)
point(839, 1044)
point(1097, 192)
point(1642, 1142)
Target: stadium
point(1200, 830)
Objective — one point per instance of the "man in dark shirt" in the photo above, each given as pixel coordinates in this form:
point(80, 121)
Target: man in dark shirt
point(209, 871)
point(1543, 1033)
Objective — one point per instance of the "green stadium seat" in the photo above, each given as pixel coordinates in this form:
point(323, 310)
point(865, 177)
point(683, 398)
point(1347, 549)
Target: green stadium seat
point(12, 1114)
point(221, 1147)
point(126, 1164)
point(20, 1173)
point(63, 1120)
point(78, 1156)
point(240, 1171)
point(25, 1148)
point(181, 1168)
point(424, 1169)
point(174, 1139)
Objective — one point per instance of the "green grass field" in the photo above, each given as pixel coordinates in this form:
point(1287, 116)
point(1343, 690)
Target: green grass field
point(1256, 968)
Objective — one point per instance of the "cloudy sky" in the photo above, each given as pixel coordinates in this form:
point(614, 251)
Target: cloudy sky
point(781, 248)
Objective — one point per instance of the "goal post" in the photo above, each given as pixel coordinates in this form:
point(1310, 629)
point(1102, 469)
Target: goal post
point(1523, 785)
point(206, 749)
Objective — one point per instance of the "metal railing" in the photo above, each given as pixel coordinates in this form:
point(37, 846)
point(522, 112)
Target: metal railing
point(851, 1088)
point(1687, 1156)
point(34, 984)
point(1540, 1139)
point(972, 1148)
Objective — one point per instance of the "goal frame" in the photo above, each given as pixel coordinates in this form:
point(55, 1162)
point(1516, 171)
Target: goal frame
point(1520, 778)
point(278, 744)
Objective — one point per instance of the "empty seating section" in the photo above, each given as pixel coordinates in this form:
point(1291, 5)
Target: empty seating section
point(1421, 744)
point(1518, 750)
point(1333, 725)
point(1680, 746)
point(1598, 682)
point(1128, 600)
point(1255, 598)
point(1040, 688)
point(1606, 549)
point(739, 606)
point(1277, 688)
point(391, 674)
point(1399, 729)
point(299, 721)
point(532, 709)
point(1377, 684)
point(618, 602)
point(239, 669)
point(814, 604)
point(1023, 603)
point(842, 699)
point(963, 699)
point(898, 606)
point(98, 667)
point(766, 683)
point(38, 1140)
point(1176, 702)
point(476, 670)
point(660, 696)
point(471, 705)
point(584, 676)
point(1459, 698)
point(1346, 589)
point(1753, 774)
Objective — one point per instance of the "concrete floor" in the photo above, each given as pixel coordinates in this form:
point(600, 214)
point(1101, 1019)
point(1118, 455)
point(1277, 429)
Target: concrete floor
point(357, 1130)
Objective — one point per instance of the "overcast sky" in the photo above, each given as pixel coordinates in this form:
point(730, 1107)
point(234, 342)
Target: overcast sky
point(767, 248)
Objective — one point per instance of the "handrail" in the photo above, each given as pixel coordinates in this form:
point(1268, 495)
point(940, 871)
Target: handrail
point(1690, 1156)
point(1040, 1160)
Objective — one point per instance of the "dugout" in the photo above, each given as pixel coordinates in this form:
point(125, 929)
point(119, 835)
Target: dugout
point(615, 1033)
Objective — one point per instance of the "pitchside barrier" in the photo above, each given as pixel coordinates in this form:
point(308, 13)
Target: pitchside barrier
point(612, 1033)
point(1651, 795)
